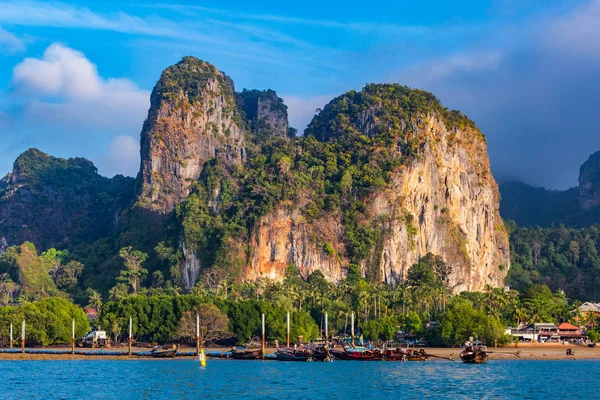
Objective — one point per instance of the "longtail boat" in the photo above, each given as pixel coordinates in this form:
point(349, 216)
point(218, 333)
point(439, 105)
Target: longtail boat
point(164, 351)
point(474, 355)
point(394, 355)
point(417, 355)
point(320, 353)
point(357, 354)
point(291, 354)
point(245, 354)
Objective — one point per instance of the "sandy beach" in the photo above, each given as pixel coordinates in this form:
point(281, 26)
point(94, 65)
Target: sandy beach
point(525, 351)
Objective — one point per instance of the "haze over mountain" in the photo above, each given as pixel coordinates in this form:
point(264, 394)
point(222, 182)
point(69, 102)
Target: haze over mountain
point(535, 206)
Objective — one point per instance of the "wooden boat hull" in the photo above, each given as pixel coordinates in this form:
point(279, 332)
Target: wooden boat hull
point(282, 356)
point(320, 355)
point(246, 354)
point(473, 358)
point(357, 356)
point(164, 353)
point(418, 358)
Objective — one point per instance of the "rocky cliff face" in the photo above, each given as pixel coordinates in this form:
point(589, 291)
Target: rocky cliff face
point(54, 202)
point(444, 202)
point(264, 112)
point(381, 178)
point(192, 119)
point(441, 199)
point(284, 237)
point(589, 182)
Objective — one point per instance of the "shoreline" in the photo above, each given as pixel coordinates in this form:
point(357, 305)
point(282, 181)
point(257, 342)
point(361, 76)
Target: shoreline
point(526, 351)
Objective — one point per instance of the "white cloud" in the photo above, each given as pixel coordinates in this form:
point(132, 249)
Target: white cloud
point(123, 157)
point(10, 43)
point(61, 98)
point(63, 87)
point(423, 74)
point(301, 110)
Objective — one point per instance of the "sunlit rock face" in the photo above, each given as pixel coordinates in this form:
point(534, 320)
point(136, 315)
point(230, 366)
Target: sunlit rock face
point(441, 197)
point(442, 200)
point(192, 119)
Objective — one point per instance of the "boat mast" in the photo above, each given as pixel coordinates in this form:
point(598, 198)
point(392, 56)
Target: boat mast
point(352, 329)
point(288, 330)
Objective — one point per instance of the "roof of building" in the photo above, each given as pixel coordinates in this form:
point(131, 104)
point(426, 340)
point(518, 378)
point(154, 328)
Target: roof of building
point(565, 326)
point(589, 307)
point(547, 325)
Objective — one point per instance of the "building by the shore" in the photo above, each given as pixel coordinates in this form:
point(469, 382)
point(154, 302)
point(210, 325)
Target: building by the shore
point(543, 332)
point(588, 308)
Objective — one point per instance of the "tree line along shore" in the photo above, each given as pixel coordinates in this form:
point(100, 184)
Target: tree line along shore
point(421, 308)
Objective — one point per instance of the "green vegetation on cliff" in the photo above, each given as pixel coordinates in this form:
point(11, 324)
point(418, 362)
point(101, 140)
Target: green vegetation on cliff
point(55, 202)
point(28, 270)
point(349, 151)
point(190, 78)
point(386, 112)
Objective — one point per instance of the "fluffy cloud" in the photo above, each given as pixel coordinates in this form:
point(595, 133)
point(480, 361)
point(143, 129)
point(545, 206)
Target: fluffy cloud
point(61, 104)
point(63, 87)
point(10, 43)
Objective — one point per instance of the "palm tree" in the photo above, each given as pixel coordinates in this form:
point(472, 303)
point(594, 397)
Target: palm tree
point(95, 300)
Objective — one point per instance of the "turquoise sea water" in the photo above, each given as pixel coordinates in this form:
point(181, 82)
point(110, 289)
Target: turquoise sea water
point(230, 379)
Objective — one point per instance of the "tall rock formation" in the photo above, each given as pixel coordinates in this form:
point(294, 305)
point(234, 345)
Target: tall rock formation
point(192, 119)
point(381, 178)
point(441, 198)
point(589, 182)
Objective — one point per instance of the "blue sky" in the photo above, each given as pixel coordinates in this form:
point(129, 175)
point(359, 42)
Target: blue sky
point(75, 76)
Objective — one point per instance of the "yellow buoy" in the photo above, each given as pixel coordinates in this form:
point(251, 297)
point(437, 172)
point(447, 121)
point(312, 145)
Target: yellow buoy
point(202, 358)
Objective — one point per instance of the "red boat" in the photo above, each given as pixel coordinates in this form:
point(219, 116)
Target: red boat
point(394, 355)
point(357, 354)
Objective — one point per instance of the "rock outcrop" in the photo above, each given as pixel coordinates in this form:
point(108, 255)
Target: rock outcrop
point(589, 182)
point(192, 119)
point(264, 111)
point(442, 199)
point(55, 202)
point(381, 178)
point(283, 237)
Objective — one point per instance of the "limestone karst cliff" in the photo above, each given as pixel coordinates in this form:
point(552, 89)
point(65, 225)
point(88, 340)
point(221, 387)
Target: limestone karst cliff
point(264, 112)
point(380, 178)
point(441, 198)
point(192, 119)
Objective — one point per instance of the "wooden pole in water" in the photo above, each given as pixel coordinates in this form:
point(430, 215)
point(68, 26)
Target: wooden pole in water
point(263, 337)
point(73, 337)
point(326, 328)
point(130, 334)
point(23, 337)
point(287, 343)
point(11, 335)
point(198, 334)
point(352, 328)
